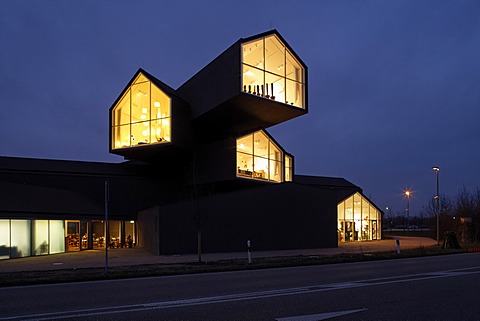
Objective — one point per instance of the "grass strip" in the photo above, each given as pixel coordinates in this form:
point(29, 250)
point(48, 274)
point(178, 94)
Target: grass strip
point(150, 270)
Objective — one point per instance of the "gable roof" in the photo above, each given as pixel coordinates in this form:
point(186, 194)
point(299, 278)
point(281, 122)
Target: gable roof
point(169, 91)
point(321, 181)
point(276, 33)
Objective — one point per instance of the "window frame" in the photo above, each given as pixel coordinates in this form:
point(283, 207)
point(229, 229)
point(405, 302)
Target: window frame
point(270, 158)
point(123, 132)
point(265, 89)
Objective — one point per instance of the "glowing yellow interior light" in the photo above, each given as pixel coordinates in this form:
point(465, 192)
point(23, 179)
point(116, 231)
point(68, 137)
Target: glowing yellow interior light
point(136, 109)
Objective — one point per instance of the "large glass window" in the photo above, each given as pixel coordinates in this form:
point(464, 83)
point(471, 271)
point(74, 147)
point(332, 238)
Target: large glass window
point(259, 158)
point(20, 238)
point(73, 235)
point(40, 237)
point(142, 116)
point(4, 239)
point(288, 168)
point(271, 71)
point(358, 220)
point(98, 234)
point(57, 236)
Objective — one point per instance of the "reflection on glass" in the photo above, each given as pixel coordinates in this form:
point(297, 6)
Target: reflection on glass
point(271, 71)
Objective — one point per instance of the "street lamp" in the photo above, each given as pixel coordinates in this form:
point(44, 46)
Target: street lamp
point(437, 205)
point(391, 218)
point(407, 194)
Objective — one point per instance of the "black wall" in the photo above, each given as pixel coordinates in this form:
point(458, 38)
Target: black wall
point(278, 216)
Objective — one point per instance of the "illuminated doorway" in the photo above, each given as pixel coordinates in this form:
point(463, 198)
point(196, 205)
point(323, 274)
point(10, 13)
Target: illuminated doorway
point(72, 238)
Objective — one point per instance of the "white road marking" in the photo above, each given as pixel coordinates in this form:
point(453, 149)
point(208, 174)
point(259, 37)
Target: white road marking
point(320, 316)
point(242, 296)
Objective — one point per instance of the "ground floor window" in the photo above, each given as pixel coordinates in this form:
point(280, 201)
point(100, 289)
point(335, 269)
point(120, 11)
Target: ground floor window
point(358, 220)
point(20, 238)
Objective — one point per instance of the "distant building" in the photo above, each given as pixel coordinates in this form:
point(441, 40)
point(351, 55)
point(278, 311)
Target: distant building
point(197, 158)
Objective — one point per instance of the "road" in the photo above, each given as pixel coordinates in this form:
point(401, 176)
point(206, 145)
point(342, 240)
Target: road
point(428, 288)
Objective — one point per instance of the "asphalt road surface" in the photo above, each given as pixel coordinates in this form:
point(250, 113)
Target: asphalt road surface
point(428, 288)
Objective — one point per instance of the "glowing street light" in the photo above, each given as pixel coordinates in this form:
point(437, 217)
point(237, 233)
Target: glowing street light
point(407, 194)
point(437, 205)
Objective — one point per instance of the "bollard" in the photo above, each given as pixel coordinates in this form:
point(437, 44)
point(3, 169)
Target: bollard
point(249, 253)
point(397, 241)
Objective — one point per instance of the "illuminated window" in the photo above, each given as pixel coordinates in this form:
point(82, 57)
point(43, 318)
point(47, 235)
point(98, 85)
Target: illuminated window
point(40, 237)
point(57, 236)
point(259, 158)
point(358, 220)
point(271, 71)
point(288, 169)
point(20, 238)
point(142, 116)
point(4, 239)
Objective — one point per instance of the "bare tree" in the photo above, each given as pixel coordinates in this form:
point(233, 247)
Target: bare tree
point(445, 214)
point(476, 216)
point(197, 194)
point(460, 214)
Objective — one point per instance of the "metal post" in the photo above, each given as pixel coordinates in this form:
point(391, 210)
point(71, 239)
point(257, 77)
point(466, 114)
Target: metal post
point(107, 238)
point(249, 255)
point(407, 193)
point(437, 205)
point(408, 215)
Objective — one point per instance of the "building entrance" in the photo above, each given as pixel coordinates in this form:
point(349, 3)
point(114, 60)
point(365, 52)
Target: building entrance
point(72, 238)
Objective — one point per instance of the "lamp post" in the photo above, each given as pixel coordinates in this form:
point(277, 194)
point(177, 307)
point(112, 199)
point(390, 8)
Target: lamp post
point(437, 205)
point(391, 218)
point(408, 193)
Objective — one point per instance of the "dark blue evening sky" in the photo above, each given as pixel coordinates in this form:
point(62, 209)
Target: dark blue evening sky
point(394, 86)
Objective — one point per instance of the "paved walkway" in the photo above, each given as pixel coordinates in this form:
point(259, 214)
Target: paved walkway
point(135, 256)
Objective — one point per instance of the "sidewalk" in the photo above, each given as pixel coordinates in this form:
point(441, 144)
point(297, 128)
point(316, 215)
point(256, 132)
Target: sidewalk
point(136, 256)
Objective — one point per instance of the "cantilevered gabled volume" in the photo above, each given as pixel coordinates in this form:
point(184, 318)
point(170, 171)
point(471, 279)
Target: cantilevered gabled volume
point(260, 157)
point(256, 83)
point(142, 116)
point(147, 117)
point(270, 70)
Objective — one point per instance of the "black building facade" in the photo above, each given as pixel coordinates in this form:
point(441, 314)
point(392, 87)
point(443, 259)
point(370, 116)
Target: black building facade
point(198, 161)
